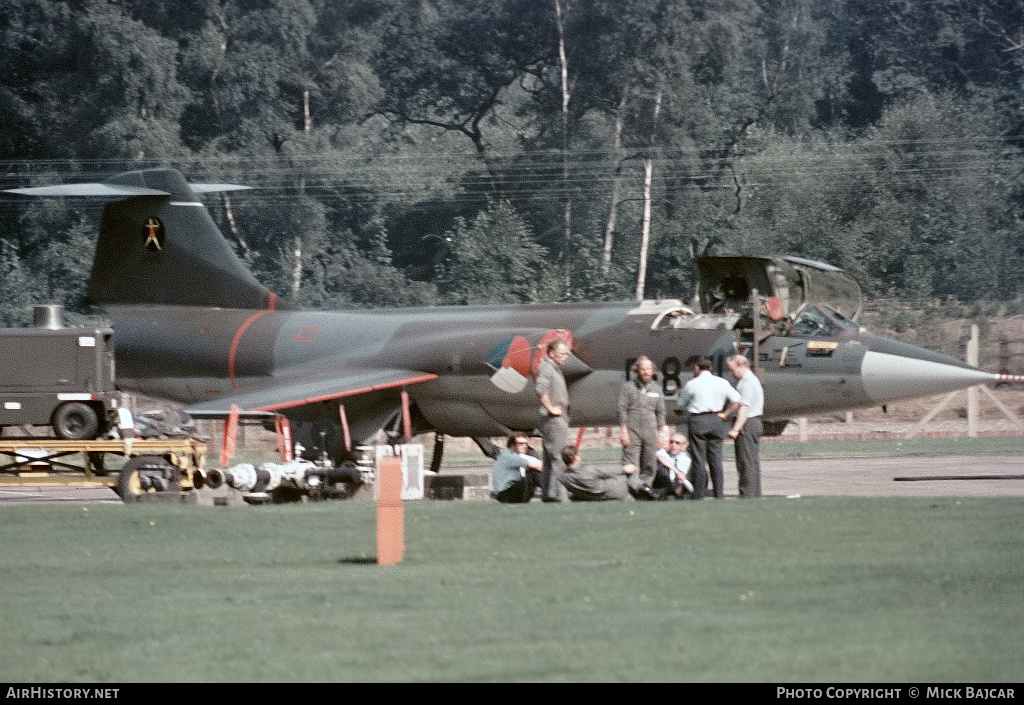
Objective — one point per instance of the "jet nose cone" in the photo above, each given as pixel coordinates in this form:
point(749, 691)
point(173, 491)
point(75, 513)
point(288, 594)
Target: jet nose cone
point(888, 377)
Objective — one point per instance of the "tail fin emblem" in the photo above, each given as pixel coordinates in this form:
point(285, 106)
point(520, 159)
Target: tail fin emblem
point(154, 231)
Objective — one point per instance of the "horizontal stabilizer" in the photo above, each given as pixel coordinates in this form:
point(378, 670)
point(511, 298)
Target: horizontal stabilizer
point(215, 188)
point(114, 190)
point(103, 190)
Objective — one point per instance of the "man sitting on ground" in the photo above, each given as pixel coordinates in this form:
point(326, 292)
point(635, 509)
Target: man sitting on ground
point(516, 474)
point(588, 483)
point(673, 476)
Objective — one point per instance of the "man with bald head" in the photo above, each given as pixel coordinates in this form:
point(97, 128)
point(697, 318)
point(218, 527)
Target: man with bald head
point(746, 426)
point(641, 420)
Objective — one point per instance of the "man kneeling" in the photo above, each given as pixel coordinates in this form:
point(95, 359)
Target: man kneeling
point(587, 483)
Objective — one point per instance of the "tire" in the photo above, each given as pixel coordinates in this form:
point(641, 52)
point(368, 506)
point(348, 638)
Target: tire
point(75, 421)
point(145, 474)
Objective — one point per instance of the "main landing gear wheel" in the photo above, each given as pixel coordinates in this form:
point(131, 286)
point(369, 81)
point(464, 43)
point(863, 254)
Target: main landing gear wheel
point(146, 474)
point(76, 421)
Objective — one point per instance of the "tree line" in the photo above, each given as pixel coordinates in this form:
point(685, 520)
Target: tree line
point(408, 152)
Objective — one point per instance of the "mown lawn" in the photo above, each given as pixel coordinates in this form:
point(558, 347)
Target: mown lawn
point(821, 589)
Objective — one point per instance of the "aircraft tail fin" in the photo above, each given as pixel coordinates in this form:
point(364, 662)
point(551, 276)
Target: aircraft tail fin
point(158, 245)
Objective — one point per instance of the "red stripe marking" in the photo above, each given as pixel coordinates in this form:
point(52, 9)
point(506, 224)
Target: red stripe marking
point(406, 420)
point(344, 427)
point(306, 334)
point(234, 345)
point(353, 392)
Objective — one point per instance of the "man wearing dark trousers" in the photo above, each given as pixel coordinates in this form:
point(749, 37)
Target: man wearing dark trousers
point(747, 427)
point(516, 473)
point(706, 397)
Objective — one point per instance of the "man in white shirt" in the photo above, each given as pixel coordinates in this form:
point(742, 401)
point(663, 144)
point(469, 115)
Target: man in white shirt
point(747, 427)
point(674, 466)
point(706, 398)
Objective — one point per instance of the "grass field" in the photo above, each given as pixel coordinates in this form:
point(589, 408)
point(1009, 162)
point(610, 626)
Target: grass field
point(843, 589)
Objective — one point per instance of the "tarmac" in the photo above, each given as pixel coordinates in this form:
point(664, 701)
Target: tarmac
point(986, 475)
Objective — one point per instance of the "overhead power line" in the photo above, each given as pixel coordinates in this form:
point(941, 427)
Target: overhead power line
point(544, 174)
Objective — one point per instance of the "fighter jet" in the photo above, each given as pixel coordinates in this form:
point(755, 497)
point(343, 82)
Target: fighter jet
point(193, 325)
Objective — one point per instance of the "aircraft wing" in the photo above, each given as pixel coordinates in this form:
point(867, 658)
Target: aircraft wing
point(285, 393)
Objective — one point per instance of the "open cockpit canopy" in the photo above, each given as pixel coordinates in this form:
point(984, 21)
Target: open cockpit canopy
point(725, 283)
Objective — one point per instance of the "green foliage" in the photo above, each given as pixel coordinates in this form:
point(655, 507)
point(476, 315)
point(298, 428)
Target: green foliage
point(881, 137)
point(346, 279)
point(494, 259)
point(941, 192)
point(19, 294)
point(944, 44)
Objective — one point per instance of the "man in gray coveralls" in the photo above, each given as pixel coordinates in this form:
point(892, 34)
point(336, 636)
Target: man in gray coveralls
point(553, 418)
point(590, 483)
point(641, 419)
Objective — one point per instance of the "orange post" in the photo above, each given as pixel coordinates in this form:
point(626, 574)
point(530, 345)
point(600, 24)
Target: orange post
point(406, 418)
point(287, 454)
point(390, 513)
point(227, 451)
point(344, 427)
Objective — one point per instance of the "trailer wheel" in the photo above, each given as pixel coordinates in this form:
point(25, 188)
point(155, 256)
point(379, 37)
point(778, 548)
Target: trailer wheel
point(75, 421)
point(145, 474)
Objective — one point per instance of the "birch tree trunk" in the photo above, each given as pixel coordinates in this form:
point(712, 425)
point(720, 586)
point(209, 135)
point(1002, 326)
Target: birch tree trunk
point(613, 210)
point(645, 234)
point(229, 214)
point(297, 268)
point(567, 200)
point(307, 118)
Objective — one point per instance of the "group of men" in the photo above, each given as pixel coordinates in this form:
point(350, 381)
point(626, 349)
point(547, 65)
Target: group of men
point(711, 402)
point(657, 462)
